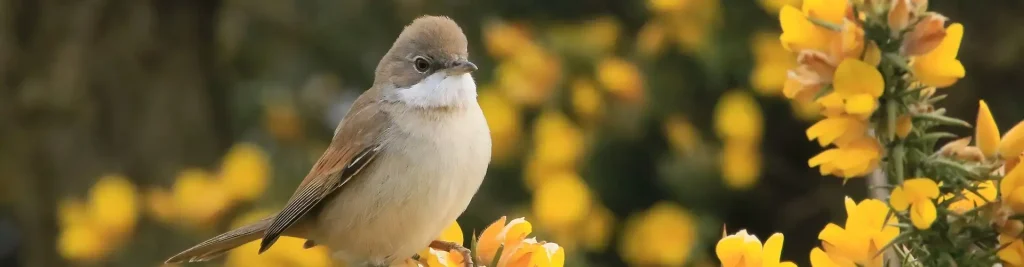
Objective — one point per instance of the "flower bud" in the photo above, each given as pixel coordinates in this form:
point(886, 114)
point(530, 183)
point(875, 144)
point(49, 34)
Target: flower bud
point(926, 35)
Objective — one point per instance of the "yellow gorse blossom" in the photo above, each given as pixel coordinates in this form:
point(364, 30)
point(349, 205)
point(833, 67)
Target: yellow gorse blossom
point(516, 249)
point(245, 172)
point(986, 132)
point(986, 193)
point(91, 230)
point(739, 123)
point(1013, 253)
point(661, 236)
point(562, 201)
point(919, 195)
point(503, 119)
point(745, 250)
point(865, 233)
point(939, 67)
point(621, 78)
point(771, 63)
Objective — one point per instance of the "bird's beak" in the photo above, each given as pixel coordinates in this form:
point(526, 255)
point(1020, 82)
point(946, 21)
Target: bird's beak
point(461, 66)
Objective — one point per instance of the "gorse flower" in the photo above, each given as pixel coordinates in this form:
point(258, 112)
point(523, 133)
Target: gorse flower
point(516, 249)
point(939, 67)
point(918, 194)
point(970, 200)
point(739, 123)
point(771, 63)
point(92, 229)
point(745, 250)
point(661, 236)
point(867, 230)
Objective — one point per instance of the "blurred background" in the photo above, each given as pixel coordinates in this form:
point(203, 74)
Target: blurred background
point(629, 132)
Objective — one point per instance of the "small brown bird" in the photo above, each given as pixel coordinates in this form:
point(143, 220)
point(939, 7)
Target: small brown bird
point(404, 163)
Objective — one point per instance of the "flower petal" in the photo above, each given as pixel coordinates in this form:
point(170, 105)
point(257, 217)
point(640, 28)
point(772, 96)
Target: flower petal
point(772, 250)
point(898, 199)
point(1012, 144)
point(922, 214)
point(861, 104)
point(855, 77)
point(918, 189)
point(986, 135)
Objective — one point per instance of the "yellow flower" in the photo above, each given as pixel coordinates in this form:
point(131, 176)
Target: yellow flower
point(199, 198)
point(742, 250)
point(1012, 144)
point(741, 164)
point(926, 35)
point(651, 39)
point(839, 130)
point(986, 132)
point(529, 76)
point(857, 158)
point(805, 110)
point(1011, 189)
point(622, 78)
point(81, 242)
point(288, 251)
point(865, 233)
point(660, 236)
point(903, 126)
point(667, 6)
point(498, 235)
point(918, 194)
point(1013, 253)
point(771, 63)
point(681, 134)
point(557, 140)
point(504, 121)
point(562, 201)
point(738, 116)
point(832, 11)
point(899, 16)
point(503, 39)
point(586, 100)
point(940, 68)
point(821, 259)
point(112, 205)
point(245, 172)
point(986, 193)
point(435, 258)
point(799, 33)
point(531, 253)
point(860, 85)
point(773, 6)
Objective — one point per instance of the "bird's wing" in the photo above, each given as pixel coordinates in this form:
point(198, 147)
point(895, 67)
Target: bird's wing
point(356, 143)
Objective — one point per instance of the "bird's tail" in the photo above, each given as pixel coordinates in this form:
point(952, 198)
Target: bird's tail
point(220, 244)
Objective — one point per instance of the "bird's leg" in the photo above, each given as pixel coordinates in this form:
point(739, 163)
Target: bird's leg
point(467, 256)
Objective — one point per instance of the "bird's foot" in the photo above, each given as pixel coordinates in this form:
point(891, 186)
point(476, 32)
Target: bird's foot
point(467, 256)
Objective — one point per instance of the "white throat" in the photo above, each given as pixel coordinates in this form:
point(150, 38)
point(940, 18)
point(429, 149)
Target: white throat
point(439, 90)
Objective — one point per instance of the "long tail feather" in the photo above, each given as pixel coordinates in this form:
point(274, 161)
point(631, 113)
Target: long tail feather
point(222, 243)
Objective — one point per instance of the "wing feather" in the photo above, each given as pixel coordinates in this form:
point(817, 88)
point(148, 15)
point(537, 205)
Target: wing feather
point(355, 145)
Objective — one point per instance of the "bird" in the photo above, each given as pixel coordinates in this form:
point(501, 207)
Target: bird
point(403, 164)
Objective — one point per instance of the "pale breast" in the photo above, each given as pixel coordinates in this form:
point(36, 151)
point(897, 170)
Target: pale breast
point(429, 171)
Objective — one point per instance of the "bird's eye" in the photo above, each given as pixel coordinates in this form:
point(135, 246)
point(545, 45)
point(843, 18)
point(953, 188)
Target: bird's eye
point(421, 64)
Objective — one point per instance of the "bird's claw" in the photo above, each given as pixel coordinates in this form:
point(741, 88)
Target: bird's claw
point(467, 256)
